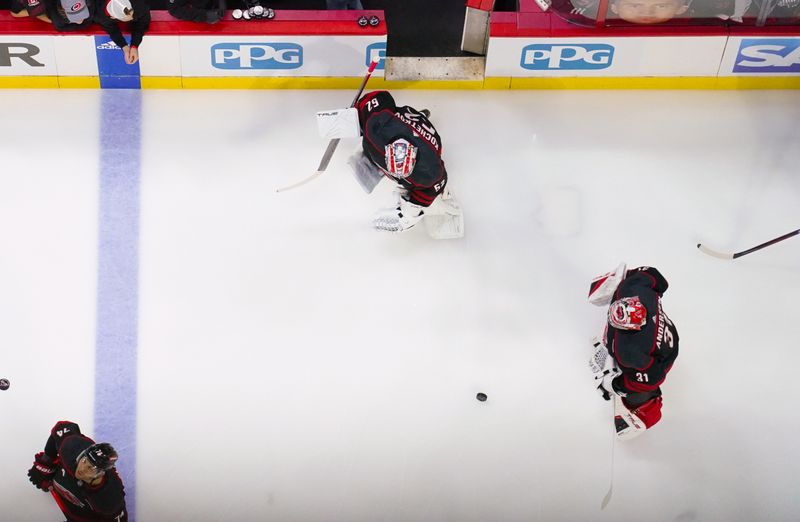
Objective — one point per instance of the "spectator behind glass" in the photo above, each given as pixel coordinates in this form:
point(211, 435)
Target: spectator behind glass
point(33, 8)
point(648, 11)
point(70, 15)
point(345, 4)
point(137, 12)
point(203, 11)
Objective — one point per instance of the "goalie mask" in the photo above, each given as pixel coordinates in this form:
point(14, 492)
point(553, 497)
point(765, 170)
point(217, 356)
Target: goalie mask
point(401, 156)
point(627, 313)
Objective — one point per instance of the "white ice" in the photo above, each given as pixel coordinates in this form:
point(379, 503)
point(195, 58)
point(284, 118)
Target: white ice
point(295, 365)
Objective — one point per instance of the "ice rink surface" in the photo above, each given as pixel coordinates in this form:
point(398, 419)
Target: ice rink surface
point(291, 364)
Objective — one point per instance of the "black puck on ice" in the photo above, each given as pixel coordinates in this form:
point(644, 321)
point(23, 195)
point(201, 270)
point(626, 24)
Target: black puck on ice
point(4, 384)
point(481, 397)
point(362, 21)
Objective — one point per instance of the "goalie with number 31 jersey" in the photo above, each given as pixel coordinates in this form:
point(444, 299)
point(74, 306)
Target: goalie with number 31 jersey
point(642, 340)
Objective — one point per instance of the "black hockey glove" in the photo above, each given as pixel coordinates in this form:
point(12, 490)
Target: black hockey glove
point(214, 15)
point(42, 471)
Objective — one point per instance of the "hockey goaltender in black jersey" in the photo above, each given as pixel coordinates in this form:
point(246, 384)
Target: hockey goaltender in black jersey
point(401, 144)
point(421, 171)
point(80, 475)
point(642, 340)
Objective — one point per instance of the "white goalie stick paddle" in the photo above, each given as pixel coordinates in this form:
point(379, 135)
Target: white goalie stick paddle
point(326, 158)
point(725, 255)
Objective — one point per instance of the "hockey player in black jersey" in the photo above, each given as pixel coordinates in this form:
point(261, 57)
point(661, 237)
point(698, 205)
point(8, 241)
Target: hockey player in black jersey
point(643, 344)
point(402, 144)
point(80, 475)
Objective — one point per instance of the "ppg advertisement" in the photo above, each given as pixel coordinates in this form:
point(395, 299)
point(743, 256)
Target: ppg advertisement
point(278, 56)
point(266, 55)
point(548, 57)
point(604, 57)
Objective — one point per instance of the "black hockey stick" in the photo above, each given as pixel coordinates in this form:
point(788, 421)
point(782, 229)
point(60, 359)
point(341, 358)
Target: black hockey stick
point(326, 158)
point(725, 255)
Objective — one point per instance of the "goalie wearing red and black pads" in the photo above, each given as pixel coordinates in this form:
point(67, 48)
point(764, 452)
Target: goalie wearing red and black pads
point(643, 342)
point(80, 475)
point(404, 145)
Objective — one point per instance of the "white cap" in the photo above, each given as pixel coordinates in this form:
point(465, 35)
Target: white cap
point(120, 10)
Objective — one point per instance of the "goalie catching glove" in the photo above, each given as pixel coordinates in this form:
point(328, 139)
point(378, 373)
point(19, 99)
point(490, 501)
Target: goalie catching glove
point(605, 370)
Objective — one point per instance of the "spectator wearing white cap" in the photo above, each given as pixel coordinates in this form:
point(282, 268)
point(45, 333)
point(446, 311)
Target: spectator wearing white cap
point(136, 12)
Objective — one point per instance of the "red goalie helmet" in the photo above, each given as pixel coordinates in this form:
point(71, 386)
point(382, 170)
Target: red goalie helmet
point(627, 313)
point(401, 156)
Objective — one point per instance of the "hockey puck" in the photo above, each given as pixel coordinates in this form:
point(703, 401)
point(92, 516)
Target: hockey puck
point(246, 15)
point(4, 384)
point(374, 20)
point(269, 14)
point(481, 397)
point(237, 14)
point(256, 11)
point(362, 21)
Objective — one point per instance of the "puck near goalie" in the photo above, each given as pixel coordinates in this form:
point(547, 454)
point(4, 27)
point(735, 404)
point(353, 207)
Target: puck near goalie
point(638, 348)
point(401, 144)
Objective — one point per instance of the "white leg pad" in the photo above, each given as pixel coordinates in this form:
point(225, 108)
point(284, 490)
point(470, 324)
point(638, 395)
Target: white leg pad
point(444, 218)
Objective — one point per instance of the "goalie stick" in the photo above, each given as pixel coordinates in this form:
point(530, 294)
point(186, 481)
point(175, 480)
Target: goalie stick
point(326, 158)
point(610, 492)
point(725, 255)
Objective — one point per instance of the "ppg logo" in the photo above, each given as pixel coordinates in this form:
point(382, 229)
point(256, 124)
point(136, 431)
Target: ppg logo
point(256, 56)
point(376, 50)
point(569, 56)
point(776, 55)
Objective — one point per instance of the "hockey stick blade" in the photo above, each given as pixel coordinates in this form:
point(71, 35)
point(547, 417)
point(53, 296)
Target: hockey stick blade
point(299, 183)
point(735, 255)
point(704, 249)
point(607, 498)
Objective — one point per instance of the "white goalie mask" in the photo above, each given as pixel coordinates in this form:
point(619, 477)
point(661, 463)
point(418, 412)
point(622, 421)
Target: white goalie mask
point(401, 156)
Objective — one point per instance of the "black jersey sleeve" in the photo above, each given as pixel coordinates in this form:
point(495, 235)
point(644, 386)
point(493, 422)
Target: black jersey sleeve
point(60, 431)
point(648, 277)
point(372, 103)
